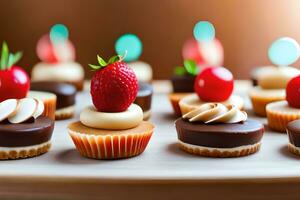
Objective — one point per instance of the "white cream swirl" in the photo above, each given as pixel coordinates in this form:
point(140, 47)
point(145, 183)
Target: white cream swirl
point(18, 111)
point(216, 113)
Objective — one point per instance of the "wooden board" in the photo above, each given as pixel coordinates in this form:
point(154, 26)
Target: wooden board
point(161, 172)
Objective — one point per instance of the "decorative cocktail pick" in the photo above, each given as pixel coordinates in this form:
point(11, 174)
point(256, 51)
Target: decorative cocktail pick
point(284, 51)
point(130, 43)
point(59, 33)
point(204, 31)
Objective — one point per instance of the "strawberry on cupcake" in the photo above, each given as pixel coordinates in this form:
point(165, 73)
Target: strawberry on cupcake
point(113, 126)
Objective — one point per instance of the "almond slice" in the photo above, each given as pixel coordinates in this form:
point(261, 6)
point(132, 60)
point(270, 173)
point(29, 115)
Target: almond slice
point(8, 108)
point(26, 108)
point(40, 108)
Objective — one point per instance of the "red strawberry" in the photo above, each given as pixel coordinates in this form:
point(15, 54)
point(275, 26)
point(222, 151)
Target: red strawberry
point(114, 86)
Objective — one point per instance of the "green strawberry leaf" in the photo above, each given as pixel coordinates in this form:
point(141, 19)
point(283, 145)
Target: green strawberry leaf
point(14, 58)
point(95, 67)
point(4, 56)
point(179, 71)
point(114, 59)
point(101, 61)
point(191, 67)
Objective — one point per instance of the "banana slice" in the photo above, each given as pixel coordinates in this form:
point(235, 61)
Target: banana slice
point(40, 108)
point(26, 109)
point(8, 108)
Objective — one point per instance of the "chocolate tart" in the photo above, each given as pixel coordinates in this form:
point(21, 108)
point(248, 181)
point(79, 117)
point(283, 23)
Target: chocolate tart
point(66, 95)
point(219, 140)
point(293, 131)
point(28, 139)
point(182, 86)
point(144, 99)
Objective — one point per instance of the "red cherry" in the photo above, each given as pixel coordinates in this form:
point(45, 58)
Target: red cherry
point(214, 84)
point(293, 92)
point(15, 83)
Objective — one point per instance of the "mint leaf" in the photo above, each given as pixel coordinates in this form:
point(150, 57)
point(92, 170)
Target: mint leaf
point(101, 61)
point(4, 56)
point(114, 59)
point(191, 67)
point(95, 67)
point(179, 71)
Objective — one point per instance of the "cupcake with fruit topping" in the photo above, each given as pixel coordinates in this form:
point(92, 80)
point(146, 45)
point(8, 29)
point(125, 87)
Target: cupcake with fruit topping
point(131, 44)
point(199, 52)
point(57, 54)
point(24, 132)
point(280, 113)
point(213, 84)
point(15, 83)
point(216, 130)
point(272, 81)
point(113, 126)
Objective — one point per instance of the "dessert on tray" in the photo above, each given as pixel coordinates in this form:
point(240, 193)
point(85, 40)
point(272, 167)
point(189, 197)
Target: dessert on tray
point(15, 82)
point(218, 130)
point(113, 127)
point(280, 113)
point(24, 132)
point(293, 131)
point(203, 51)
point(272, 80)
point(183, 83)
point(144, 99)
point(57, 54)
point(65, 93)
point(213, 84)
point(132, 45)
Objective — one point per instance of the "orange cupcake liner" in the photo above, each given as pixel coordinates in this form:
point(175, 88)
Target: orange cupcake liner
point(278, 121)
point(50, 107)
point(110, 146)
point(259, 104)
point(174, 99)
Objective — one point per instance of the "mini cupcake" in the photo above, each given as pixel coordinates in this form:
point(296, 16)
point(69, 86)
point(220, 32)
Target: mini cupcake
point(272, 80)
point(144, 99)
point(183, 83)
point(113, 127)
point(15, 82)
point(216, 130)
point(213, 84)
point(280, 113)
point(293, 131)
point(24, 132)
point(57, 54)
point(65, 93)
point(133, 47)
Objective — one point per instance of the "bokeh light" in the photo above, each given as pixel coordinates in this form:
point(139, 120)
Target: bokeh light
point(59, 33)
point(204, 31)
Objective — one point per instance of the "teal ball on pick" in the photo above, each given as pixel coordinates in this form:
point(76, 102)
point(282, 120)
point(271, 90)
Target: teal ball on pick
point(59, 33)
point(284, 51)
point(204, 31)
point(130, 43)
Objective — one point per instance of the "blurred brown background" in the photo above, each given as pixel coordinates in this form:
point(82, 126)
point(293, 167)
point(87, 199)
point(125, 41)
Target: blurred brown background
point(245, 27)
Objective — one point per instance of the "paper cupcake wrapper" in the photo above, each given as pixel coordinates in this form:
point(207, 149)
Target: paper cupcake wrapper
point(293, 149)
point(110, 146)
point(11, 153)
point(278, 121)
point(174, 99)
point(218, 152)
point(259, 104)
point(50, 107)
